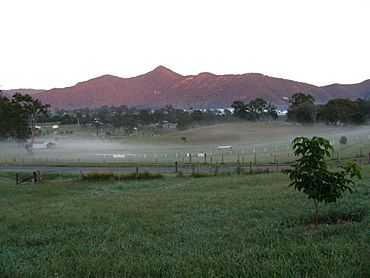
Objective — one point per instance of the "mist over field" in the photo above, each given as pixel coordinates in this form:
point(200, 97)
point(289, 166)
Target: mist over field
point(266, 139)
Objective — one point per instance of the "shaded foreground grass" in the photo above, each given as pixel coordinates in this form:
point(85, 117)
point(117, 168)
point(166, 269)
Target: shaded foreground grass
point(253, 226)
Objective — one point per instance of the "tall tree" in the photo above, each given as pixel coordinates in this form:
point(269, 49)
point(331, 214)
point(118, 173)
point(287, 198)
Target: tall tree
point(13, 123)
point(240, 110)
point(302, 108)
point(30, 109)
point(144, 116)
point(183, 120)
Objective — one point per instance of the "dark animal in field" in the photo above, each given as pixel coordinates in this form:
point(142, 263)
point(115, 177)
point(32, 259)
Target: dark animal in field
point(183, 139)
point(35, 177)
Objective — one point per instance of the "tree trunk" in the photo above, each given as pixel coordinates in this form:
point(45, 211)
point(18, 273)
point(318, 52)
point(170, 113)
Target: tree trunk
point(316, 214)
point(33, 133)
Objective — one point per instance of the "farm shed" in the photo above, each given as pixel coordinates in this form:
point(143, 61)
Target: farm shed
point(38, 145)
point(225, 149)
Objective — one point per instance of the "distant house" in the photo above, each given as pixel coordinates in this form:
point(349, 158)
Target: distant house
point(38, 145)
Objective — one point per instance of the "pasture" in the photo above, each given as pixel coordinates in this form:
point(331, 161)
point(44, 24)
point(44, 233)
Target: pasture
point(256, 142)
point(238, 225)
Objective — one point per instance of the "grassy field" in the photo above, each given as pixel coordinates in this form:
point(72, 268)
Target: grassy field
point(248, 226)
point(262, 142)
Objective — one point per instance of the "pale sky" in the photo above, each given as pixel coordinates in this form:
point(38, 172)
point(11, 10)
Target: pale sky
point(49, 43)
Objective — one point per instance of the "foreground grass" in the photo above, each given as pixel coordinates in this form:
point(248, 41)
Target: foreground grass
point(253, 226)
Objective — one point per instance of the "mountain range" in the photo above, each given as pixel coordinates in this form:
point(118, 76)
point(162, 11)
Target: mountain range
point(162, 86)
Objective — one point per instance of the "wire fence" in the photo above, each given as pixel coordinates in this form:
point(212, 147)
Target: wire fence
point(357, 147)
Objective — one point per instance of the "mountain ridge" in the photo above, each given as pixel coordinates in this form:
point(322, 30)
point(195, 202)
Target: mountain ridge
point(163, 86)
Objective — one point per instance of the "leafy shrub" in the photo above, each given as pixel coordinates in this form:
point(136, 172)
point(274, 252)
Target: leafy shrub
point(99, 176)
point(109, 176)
point(310, 173)
point(180, 174)
point(343, 140)
point(199, 175)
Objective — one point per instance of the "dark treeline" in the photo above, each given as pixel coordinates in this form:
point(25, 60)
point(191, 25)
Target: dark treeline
point(20, 113)
point(339, 111)
point(129, 118)
point(255, 110)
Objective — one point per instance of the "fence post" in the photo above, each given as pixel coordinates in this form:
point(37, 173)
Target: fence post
point(250, 167)
point(222, 159)
point(255, 158)
point(369, 158)
point(189, 157)
point(193, 169)
point(175, 166)
point(205, 158)
point(277, 164)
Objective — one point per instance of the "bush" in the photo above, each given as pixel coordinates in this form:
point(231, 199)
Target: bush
point(311, 175)
point(343, 140)
point(109, 176)
point(180, 174)
point(199, 175)
point(99, 176)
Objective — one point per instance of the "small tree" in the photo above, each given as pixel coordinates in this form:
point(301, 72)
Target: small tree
point(310, 173)
point(343, 140)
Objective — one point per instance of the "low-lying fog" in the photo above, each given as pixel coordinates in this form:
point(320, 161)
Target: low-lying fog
point(245, 138)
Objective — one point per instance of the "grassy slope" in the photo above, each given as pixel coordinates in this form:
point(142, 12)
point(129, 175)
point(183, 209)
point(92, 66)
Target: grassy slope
point(224, 226)
point(254, 133)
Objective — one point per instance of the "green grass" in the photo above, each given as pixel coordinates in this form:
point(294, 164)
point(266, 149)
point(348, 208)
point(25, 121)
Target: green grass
point(248, 225)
